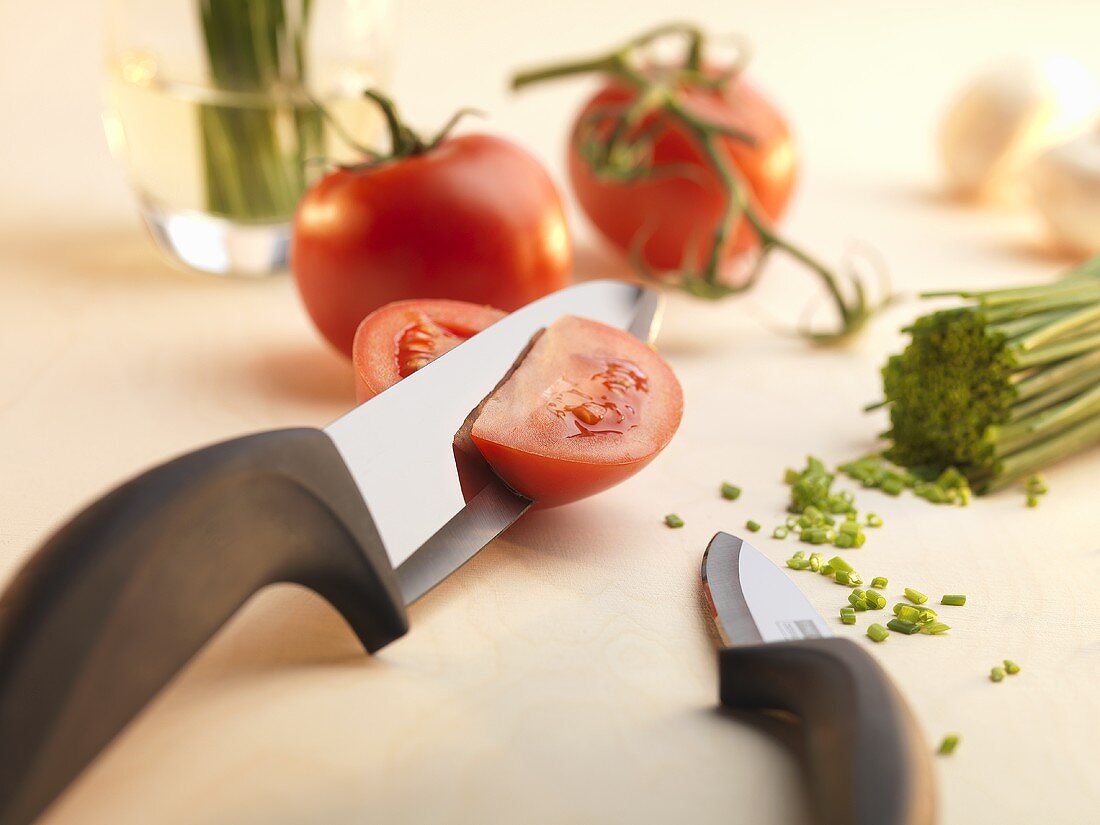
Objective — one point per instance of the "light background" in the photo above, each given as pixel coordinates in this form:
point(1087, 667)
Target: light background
point(567, 675)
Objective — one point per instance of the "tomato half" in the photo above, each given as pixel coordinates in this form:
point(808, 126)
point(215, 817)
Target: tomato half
point(400, 338)
point(587, 407)
point(673, 215)
point(474, 218)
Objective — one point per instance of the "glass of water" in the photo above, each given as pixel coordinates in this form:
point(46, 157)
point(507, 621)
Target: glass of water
point(220, 111)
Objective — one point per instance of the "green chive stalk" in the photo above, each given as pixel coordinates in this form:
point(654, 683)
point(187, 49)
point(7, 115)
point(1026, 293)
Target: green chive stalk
point(257, 142)
point(1001, 387)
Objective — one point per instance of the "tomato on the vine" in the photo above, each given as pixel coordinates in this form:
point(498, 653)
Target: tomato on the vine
point(670, 214)
point(471, 218)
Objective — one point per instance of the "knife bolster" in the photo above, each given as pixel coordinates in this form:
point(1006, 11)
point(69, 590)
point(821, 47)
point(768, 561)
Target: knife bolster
point(118, 600)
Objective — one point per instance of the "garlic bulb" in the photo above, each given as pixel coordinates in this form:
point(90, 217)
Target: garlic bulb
point(1008, 115)
point(1065, 183)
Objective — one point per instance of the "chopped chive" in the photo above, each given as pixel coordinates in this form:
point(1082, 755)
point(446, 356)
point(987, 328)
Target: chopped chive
point(893, 486)
point(838, 563)
point(780, 532)
point(797, 564)
point(1011, 668)
point(927, 614)
point(907, 613)
point(674, 521)
point(814, 535)
point(915, 596)
point(874, 520)
point(935, 628)
point(730, 492)
point(798, 554)
point(1032, 501)
point(997, 674)
point(879, 582)
point(902, 626)
point(954, 600)
point(845, 541)
point(948, 745)
point(826, 570)
point(874, 599)
point(860, 606)
point(815, 561)
point(848, 615)
point(752, 526)
point(855, 597)
point(877, 632)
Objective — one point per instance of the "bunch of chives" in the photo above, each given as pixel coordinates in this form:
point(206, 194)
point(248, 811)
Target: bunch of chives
point(257, 143)
point(1003, 386)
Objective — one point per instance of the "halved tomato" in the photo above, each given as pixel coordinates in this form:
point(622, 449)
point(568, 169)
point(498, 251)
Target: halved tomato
point(398, 339)
point(587, 407)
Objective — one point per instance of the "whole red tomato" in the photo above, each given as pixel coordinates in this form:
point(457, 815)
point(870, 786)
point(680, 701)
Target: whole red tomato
point(473, 218)
point(674, 213)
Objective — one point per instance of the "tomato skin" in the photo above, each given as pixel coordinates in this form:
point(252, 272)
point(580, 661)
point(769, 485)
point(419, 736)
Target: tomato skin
point(552, 482)
point(475, 219)
point(537, 445)
point(676, 213)
point(375, 352)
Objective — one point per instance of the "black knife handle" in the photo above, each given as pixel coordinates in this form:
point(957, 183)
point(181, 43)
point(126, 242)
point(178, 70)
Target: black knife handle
point(868, 764)
point(120, 598)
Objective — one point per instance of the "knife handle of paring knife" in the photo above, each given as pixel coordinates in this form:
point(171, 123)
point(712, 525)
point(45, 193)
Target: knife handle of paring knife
point(120, 598)
point(867, 762)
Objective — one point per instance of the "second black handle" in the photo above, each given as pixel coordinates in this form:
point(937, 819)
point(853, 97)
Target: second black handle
point(868, 763)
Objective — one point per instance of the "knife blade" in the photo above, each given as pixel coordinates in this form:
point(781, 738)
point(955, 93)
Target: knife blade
point(398, 446)
point(370, 513)
point(866, 760)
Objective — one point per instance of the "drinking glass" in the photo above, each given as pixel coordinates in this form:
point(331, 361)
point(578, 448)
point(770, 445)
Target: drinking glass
point(224, 111)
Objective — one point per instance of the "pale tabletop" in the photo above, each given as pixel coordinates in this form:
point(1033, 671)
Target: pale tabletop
point(568, 673)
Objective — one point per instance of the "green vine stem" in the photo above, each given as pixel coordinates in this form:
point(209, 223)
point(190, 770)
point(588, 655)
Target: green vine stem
point(404, 140)
point(620, 152)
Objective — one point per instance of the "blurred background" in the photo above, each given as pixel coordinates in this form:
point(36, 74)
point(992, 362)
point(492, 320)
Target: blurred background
point(864, 85)
point(115, 356)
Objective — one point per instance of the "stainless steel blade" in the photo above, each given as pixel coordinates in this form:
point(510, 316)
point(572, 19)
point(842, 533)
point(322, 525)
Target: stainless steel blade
point(751, 599)
point(490, 512)
point(398, 445)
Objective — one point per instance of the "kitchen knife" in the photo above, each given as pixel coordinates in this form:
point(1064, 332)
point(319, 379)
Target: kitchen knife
point(867, 762)
point(371, 513)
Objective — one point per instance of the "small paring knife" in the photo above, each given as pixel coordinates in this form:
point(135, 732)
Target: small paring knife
point(371, 513)
point(866, 760)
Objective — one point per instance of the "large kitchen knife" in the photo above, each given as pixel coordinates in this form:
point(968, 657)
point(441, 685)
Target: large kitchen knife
point(371, 513)
point(866, 759)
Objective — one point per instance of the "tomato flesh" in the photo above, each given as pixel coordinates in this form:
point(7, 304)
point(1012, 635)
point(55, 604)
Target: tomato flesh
point(587, 407)
point(395, 341)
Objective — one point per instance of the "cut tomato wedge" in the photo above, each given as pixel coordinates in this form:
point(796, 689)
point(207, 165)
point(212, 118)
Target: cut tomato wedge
point(398, 339)
point(587, 407)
